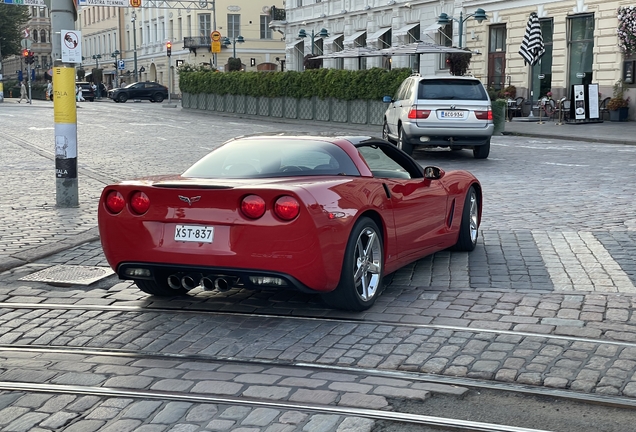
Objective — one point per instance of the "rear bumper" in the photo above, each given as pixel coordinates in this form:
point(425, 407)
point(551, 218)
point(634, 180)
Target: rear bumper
point(447, 136)
point(160, 272)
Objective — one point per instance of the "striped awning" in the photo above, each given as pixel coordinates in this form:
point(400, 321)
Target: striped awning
point(403, 31)
point(348, 40)
point(375, 37)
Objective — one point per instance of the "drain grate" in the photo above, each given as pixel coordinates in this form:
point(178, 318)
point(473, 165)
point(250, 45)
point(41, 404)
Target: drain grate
point(69, 275)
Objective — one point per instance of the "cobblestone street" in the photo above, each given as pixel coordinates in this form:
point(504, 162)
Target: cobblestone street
point(546, 301)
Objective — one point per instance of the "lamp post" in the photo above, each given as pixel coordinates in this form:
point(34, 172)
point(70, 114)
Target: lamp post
point(479, 15)
point(323, 33)
point(134, 19)
point(96, 57)
point(115, 54)
point(233, 42)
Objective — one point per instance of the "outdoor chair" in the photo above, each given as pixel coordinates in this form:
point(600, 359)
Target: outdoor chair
point(602, 108)
point(516, 109)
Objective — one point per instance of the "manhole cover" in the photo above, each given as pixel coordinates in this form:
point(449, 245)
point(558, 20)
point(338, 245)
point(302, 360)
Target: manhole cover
point(69, 274)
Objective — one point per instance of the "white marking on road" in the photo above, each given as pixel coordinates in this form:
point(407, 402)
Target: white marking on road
point(577, 261)
point(40, 128)
point(563, 164)
point(206, 148)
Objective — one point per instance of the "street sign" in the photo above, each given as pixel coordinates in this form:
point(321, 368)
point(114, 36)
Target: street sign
point(121, 65)
point(580, 74)
point(26, 43)
point(113, 3)
point(25, 2)
point(178, 63)
point(71, 46)
point(215, 36)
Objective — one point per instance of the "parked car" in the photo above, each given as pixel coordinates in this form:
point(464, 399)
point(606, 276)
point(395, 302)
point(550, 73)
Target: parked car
point(87, 90)
point(451, 111)
point(152, 91)
point(325, 215)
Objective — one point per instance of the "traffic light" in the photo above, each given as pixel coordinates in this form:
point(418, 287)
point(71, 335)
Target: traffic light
point(31, 58)
point(25, 55)
point(169, 48)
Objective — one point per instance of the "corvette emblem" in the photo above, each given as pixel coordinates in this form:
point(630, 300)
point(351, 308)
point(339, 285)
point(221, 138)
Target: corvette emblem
point(189, 200)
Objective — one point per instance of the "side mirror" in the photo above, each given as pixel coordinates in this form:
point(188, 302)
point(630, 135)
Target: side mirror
point(433, 173)
point(387, 99)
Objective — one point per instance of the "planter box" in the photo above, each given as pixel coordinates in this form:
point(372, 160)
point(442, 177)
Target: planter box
point(277, 109)
point(339, 111)
point(239, 104)
point(376, 112)
point(211, 102)
point(251, 105)
point(229, 102)
point(291, 108)
point(305, 109)
point(220, 102)
point(358, 111)
point(619, 115)
point(323, 109)
point(263, 106)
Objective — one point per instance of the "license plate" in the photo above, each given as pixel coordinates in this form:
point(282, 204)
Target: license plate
point(194, 233)
point(452, 114)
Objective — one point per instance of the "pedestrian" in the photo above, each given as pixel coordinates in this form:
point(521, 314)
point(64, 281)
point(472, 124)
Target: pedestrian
point(78, 93)
point(49, 90)
point(102, 89)
point(23, 93)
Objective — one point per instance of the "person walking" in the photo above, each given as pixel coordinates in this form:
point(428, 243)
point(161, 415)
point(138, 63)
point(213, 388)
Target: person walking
point(49, 90)
point(78, 92)
point(23, 93)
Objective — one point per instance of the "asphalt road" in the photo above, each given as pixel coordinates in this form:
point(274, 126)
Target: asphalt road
point(546, 300)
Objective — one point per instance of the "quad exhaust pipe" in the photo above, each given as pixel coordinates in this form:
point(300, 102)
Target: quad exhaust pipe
point(209, 283)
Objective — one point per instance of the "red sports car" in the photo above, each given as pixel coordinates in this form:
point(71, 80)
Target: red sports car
point(329, 215)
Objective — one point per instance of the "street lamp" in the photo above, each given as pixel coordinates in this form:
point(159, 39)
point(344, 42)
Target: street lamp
point(233, 42)
point(479, 15)
point(96, 57)
point(323, 33)
point(115, 54)
point(134, 19)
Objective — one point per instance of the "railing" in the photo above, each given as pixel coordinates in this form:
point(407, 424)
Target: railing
point(277, 14)
point(196, 42)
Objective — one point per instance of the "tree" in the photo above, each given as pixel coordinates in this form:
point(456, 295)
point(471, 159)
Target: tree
point(234, 64)
point(458, 63)
point(13, 19)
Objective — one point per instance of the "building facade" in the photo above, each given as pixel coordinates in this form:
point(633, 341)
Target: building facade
point(580, 38)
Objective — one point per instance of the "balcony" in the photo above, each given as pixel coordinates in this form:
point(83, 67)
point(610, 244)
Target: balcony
point(278, 19)
point(194, 42)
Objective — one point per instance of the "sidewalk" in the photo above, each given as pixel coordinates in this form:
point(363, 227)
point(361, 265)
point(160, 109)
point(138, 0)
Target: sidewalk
point(606, 132)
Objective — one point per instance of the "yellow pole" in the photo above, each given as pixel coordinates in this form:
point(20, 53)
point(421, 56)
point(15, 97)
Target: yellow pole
point(65, 117)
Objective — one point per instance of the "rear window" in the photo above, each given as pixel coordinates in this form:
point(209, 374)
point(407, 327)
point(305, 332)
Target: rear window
point(451, 89)
point(273, 157)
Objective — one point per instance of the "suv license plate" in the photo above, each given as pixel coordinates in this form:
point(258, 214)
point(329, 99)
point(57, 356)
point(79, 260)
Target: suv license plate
point(194, 233)
point(452, 114)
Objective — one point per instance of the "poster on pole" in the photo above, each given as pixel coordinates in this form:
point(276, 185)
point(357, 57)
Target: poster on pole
point(71, 46)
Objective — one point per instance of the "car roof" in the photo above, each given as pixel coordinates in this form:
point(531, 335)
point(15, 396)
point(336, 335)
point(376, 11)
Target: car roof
point(452, 77)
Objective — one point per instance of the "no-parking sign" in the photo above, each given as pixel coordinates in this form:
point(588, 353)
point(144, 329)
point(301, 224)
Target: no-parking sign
point(71, 46)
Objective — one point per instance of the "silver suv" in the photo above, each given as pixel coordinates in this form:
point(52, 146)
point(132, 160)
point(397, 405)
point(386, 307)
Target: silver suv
point(438, 111)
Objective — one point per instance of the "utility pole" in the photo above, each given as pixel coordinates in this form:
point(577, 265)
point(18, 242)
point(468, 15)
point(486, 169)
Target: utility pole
point(64, 107)
point(134, 19)
point(214, 29)
point(1, 72)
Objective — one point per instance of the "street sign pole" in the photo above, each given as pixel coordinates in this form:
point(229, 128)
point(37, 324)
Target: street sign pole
point(64, 105)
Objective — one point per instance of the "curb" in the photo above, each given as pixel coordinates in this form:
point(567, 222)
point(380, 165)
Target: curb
point(28, 256)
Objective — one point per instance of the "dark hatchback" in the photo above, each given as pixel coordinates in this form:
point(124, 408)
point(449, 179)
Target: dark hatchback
point(151, 91)
point(87, 91)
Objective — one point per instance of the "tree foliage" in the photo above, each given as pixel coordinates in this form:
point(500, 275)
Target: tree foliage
point(12, 21)
point(458, 63)
point(309, 62)
point(234, 64)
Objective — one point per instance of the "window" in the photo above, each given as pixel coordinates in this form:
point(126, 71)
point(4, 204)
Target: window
point(233, 25)
point(580, 49)
point(381, 164)
point(42, 12)
point(266, 32)
point(179, 29)
point(43, 36)
point(445, 35)
point(449, 89)
point(497, 56)
point(35, 35)
point(171, 29)
point(542, 71)
point(205, 25)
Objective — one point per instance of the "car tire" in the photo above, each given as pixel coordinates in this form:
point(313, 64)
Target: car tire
point(122, 98)
point(385, 132)
point(482, 151)
point(469, 226)
point(362, 269)
point(158, 97)
point(159, 289)
point(402, 144)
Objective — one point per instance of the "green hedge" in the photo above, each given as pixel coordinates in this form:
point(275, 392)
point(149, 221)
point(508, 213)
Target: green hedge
point(371, 84)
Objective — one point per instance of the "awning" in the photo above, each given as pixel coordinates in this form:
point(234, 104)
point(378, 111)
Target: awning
point(331, 40)
point(294, 44)
point(352, 37)
point(403, 31)
point(433, 28)
point(375, 37)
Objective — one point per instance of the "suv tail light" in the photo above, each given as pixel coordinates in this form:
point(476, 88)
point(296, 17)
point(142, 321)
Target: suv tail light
point(484, 115)
point(415, 113)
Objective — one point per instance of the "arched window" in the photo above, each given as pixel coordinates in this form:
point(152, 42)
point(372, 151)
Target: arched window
point(43, 36)
point(35, 35)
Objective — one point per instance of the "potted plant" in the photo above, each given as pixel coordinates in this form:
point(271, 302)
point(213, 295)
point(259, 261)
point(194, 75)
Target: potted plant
point(618, 105)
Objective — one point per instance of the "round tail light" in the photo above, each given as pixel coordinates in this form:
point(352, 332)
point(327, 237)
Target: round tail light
point(286, 208)
point(115, 202)
point(140, 203)
point(253, 206)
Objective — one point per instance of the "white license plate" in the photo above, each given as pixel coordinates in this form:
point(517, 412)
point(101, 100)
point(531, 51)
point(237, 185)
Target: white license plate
point(452, 114)
point(194, 233)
